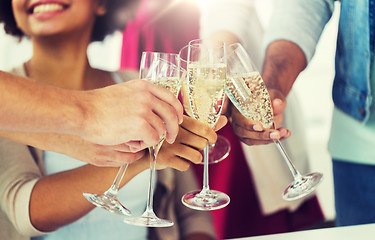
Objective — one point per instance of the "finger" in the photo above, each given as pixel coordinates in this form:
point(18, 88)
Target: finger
point(189, 154)
point(168, 97)
point(146, 127)
point(124, 147)
point(238, 119)
point(278, 106)
point(190, 139)
point(284, 133)
point(279, 133)
point(247, 130)
point(169, 119)
point(169, 158)
point(221, 123)
point(134, 146)
point(117, 159)
point(266, 135)
point(278, 120)
point(179, 163)
point(200, 129)
point(251, 142)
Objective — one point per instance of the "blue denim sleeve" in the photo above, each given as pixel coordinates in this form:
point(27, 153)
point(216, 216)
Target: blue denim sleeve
point(299, 21)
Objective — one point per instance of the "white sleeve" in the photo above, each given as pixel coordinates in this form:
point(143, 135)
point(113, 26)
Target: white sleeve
point(18, 176)
point(299, 21)
point(232, 15)
point(237, 16)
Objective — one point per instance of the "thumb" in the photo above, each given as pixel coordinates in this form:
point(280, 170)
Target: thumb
point(221, 123)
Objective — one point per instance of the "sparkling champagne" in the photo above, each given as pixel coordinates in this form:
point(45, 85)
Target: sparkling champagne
point(206, 91)
point(172, 84)
point(185, 98)
point(250, 96)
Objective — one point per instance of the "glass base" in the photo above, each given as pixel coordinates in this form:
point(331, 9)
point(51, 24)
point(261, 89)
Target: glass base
point(149, 219)
point(218, 151)
point(306, 185)
point(205, 200)
point(107, 202)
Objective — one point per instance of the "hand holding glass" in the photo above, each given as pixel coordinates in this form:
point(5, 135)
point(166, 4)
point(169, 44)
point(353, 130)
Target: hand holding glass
point(206, 70)
point(221, 148)
point(161, 69)
point(248, 93)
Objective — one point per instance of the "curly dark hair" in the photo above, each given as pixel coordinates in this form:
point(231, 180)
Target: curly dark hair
point(103, 26)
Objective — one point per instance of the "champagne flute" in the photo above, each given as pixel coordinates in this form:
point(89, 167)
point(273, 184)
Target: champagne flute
point(108, 200)
point(161, 69)
point(248, 93)
point(221, 148)
point(206, 69)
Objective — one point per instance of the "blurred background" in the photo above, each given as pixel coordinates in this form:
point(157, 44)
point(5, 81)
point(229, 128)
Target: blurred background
point(313, 85)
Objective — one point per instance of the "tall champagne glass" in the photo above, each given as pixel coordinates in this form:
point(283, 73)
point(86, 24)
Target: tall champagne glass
point(161, 69)
point(247, 91)
point(108, 200)
point(221, 148)
point(206, 70)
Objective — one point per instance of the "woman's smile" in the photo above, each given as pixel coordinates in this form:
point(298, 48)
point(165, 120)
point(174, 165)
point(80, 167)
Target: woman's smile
point(46, 9)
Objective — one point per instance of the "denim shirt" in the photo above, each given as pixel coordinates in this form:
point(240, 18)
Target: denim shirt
point(354, 54)
point(351, 88)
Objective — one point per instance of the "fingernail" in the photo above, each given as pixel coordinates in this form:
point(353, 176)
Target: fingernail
point(257, 127)
point(170, 141)
point(283, 132)
point(275, 135)
point(277, 101)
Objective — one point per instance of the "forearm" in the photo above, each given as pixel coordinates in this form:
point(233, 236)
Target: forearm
point(46, 141)
point(283, 62)
point(48, 211)
point(299, 21)
point(76, 147)
point(57, 200)
point(27, 105)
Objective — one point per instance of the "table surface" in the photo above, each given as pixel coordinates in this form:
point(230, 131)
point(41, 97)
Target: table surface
point(358, 232)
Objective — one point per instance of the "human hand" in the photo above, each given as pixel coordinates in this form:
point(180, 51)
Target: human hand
point(191, 139)
point(137, 113)
point(76, 147)
point(252, 132)
point(101, 155)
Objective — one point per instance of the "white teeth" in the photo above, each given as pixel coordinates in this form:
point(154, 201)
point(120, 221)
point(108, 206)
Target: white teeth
point(49, 7)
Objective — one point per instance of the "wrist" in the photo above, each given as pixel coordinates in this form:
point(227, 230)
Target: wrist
point(82, 119)
point(283, 63)
point(66, 111)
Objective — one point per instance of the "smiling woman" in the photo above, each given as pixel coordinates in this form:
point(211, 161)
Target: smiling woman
point(44, 189)
point(104, 25)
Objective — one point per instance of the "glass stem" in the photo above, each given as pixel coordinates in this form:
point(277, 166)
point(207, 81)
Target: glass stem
point(297, 176)
point(206, 187)
point(150, 197)
point(116, 183)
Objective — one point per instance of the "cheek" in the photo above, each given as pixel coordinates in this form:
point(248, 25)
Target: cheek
point(19, 13)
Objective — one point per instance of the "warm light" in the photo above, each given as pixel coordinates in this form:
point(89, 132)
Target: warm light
point(172, 5)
